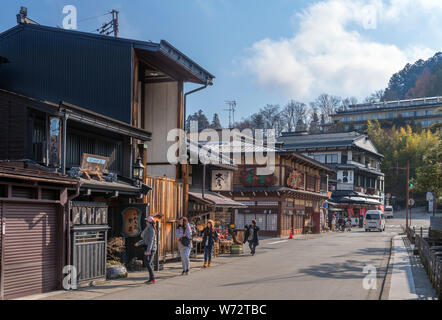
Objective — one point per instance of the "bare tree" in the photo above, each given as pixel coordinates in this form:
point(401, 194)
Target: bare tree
point(290, 115)
point(270, 114)
point(376, 96)
point(349, 101)
point(327, 105)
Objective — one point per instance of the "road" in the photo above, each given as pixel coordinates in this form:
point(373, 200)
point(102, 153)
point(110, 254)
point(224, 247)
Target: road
point(327, 266)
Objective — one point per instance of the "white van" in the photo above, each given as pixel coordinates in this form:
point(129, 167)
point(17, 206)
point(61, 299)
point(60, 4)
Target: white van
point(374, 220)
point(388, 211)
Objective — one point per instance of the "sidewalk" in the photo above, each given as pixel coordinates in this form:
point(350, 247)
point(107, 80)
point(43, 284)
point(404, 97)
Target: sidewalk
point(408, 279)
point(170, 270)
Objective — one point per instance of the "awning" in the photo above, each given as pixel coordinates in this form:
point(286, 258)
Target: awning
point(357, 200)
point(214, 199)
point(107, 187)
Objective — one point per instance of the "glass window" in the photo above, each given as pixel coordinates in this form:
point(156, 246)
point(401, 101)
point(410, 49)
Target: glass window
point(332, 158)
point(361, 118)
point(427, 112)
point(390, 115)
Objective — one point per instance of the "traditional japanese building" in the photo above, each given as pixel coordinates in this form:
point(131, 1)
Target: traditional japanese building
point(99, 108)
point(288, 199)
point(358, 183)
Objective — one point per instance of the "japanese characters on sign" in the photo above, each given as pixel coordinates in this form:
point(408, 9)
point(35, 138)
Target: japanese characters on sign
point(131, 222)
point(249, 178)
point(221, 180)
point(93, 164)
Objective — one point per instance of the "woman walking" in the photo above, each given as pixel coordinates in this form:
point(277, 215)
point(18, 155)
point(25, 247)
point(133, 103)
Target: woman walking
point(184, 236)
point(149, 240)
point(251, 236)
point(209, 237)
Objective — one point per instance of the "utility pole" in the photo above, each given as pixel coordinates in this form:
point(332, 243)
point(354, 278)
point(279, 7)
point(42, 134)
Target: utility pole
point(407, 195)
point(111, 26)
point(231, 109)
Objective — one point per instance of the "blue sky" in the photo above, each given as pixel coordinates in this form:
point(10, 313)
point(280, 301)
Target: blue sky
point(267, 52)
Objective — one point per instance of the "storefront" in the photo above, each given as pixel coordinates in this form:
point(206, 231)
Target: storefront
point(33, 237)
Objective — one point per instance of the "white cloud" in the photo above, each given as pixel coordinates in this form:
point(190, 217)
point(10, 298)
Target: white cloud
point(331, 52)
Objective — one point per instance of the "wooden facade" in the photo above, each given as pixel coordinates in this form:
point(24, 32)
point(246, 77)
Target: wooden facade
point(288, 200)
point(166, 204)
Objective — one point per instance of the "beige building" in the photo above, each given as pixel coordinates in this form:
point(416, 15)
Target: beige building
point(419, 112)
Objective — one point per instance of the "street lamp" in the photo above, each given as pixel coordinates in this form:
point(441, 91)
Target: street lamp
point(138, 170)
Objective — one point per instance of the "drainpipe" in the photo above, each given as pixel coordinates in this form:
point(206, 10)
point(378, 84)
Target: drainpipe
point(65, 121)
point(184, 127)
point(185, 103)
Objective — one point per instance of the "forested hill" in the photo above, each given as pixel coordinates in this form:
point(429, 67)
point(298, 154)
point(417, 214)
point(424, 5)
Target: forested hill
point(421, 79)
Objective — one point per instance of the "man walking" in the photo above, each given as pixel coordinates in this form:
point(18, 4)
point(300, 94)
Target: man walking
point(251, 235)
point(149, 240)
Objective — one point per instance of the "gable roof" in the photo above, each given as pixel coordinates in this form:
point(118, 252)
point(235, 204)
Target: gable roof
point(163, 51)
point(293, 141)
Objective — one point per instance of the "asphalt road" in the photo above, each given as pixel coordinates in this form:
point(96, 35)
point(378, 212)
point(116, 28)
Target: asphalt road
point(328, 266)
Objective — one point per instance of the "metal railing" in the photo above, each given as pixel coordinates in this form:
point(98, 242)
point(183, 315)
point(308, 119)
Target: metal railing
point(430, 252)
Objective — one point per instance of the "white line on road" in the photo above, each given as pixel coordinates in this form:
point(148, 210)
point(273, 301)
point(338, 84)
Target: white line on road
point(278, 242)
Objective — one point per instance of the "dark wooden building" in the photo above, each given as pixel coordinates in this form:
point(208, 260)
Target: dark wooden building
point(34, 234)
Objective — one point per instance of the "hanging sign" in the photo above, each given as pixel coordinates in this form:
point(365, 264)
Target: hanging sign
point(131, 222)
point(295, 179)
point(221, 180)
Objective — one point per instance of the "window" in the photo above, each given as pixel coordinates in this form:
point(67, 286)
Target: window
point(332, 158)
point(361, 118)
point(408, 114)
point(390, 116)
point(347, 119)
point(320, 158)
point(427, 112)
point(376, 116)
point(426, 123)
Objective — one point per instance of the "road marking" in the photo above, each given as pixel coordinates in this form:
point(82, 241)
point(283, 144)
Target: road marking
point(277, 242)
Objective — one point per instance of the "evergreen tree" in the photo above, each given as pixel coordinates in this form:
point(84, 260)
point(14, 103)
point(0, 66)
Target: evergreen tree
point(216, 124)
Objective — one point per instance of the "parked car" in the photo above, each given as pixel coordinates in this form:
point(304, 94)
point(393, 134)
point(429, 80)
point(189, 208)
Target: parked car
point(374, 220)
point(388, 211)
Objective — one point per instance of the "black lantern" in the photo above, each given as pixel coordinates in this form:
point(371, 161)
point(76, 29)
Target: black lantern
point(138, 170)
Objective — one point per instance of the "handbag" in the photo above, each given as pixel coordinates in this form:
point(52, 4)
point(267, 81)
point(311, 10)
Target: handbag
point(185, 241)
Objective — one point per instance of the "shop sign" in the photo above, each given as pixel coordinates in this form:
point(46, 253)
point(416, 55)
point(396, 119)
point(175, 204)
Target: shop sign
point(221, 180)
point(249, 178)
point(131, 222)
point(93, 165)
point(295, 179)
point(54, 141)
point(350, 211)
point(345, 186)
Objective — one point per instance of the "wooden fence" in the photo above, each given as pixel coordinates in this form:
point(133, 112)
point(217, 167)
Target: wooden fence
point(430, 251)
point(166, 200)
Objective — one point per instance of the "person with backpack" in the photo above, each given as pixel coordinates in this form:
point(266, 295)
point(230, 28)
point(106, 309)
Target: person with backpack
point(251, 236)
point(209, 238)
point(149, 240)
point(184, 236)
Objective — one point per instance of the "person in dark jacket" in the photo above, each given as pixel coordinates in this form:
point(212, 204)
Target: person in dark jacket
point(149, 240)
point(209, 237)
point(251, 235)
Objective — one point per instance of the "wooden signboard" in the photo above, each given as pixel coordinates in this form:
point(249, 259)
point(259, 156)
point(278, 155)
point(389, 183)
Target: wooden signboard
point(94, 165)
point(221, 180)
point(249, 178)
point(295, 179)
point(131, 222)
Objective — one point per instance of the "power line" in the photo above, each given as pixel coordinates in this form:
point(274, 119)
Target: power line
point(94, 17)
